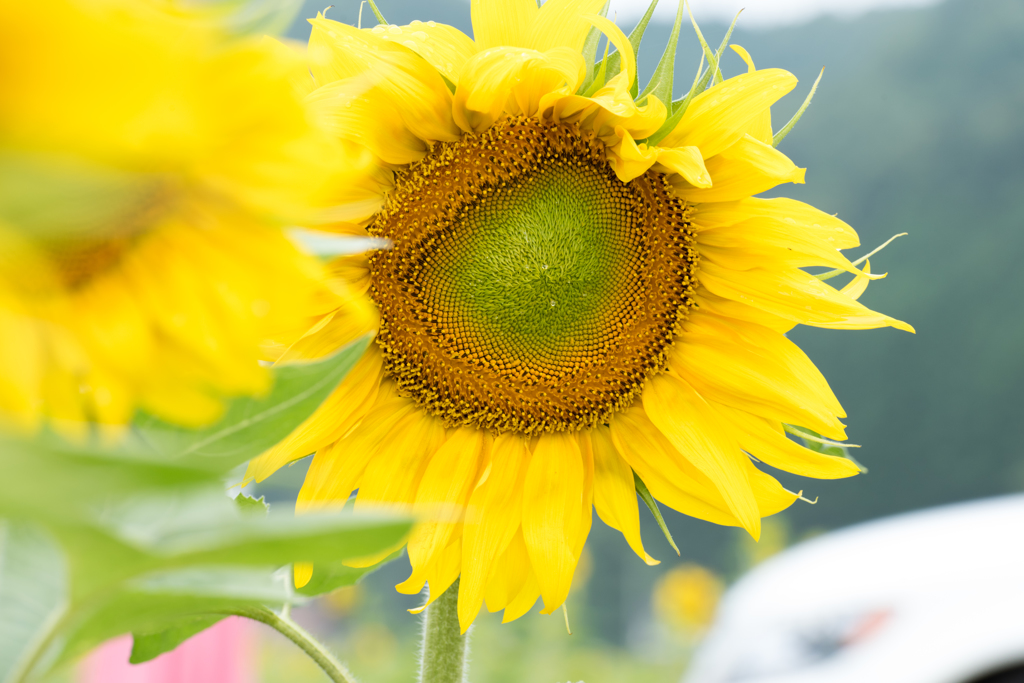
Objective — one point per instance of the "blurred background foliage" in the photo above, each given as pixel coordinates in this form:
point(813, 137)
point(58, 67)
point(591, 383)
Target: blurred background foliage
point(916, 128)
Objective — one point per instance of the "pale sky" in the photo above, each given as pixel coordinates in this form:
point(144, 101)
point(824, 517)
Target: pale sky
point(761, 12)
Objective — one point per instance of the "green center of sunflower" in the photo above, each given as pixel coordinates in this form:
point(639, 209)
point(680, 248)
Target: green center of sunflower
point(529, 273)
point(527, 288)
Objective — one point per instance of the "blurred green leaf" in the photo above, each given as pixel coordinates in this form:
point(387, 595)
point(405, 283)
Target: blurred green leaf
point(252, 425)
point(33, 593)
point(250, 505)
point(146, 646)
point(330, 576)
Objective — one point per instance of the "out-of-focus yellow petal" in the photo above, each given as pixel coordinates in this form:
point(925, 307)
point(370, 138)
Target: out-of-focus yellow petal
point(560, 23)
point(551, 514)
point(692, 426)
point(492, 518)
point(615, 492)
point(498, 23)
point(719, 117)
point(368, 116)
point(747, 168)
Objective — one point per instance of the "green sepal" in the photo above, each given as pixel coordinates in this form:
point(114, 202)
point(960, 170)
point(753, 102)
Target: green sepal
point(252, 506)
point(839, 271)
point(661, 81)
point(146, 646)
point(781, 135)
point(612, 64)
point(250, 425)
point(376, 12)
point(590, 52)
point(814, 441)
point(652, 505)
point(679, 106)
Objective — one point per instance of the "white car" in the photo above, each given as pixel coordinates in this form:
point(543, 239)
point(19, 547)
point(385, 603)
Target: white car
point(935, 596)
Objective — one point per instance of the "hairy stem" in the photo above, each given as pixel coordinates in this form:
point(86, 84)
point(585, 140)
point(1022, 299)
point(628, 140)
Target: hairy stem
point(443, 659)
point(298, 635)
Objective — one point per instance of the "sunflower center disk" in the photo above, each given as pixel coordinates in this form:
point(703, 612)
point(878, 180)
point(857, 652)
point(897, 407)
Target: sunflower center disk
point(528, 289)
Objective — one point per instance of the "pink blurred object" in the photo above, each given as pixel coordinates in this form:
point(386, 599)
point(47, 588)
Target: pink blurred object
point(220, 654)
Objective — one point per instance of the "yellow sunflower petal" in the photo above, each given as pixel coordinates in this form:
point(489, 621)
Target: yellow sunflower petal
point(419, 96)
point(443, 493)
point(336, 469)
point(498, 23)
point(444, 47)
point(524, 601)
point(492, 518)
point(737, 375)
point(560, 23)
point(615, 492)
point(766, 440)
point(551, 514)
point(392, 481)
point(669, 476)
point(719, 117)
point(510, 574)
point(799, 217)
point(795, 295)
point(339, 413)
point(692, 426)
point(685, 161)
point(512, 81)
point(747, 168)
point(761, 126)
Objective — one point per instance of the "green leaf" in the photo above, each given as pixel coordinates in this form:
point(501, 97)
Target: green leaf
point(652, 505)
point(166, 600)
point(781, 135)
point(146, 646)
point(612, 64)
point(33, 594)
point(252, 425)
point(333, 575)
point(661, 81)
point(713, 71)
point(252, 506)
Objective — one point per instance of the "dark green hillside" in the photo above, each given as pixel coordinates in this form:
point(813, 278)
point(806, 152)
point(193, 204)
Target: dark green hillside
point(918, 127)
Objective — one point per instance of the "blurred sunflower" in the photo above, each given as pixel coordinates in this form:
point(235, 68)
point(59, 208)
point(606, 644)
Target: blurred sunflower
point(147, 165)
point(579, 286)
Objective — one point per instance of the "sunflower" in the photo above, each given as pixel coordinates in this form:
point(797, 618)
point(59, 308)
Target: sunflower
point(148, 164)
point(580, 291)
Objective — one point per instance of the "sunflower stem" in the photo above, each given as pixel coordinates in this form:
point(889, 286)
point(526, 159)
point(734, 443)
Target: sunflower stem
point(443, 658)
point(316, 650)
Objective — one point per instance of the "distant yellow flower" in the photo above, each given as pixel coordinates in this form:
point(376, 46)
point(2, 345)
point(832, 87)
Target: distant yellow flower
point(686, 597)
point(147, 165)
point(564, 302)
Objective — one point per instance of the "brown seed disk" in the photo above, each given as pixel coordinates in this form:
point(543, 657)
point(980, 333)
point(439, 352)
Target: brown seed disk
point(465, 364)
